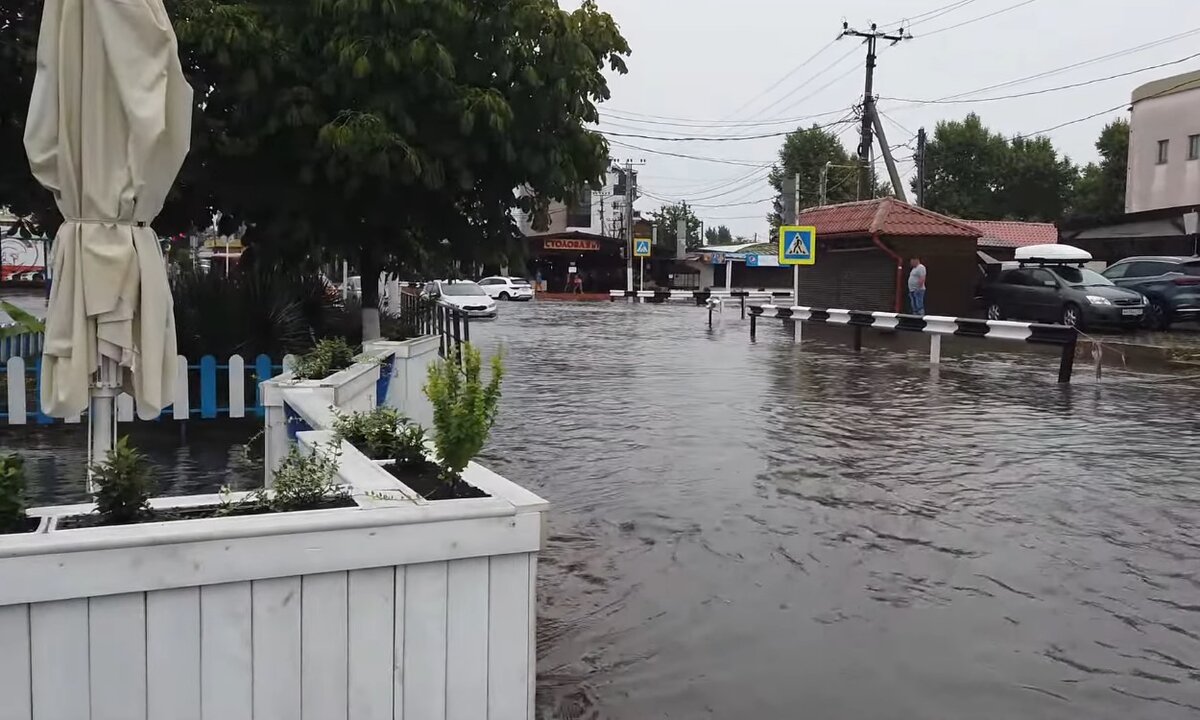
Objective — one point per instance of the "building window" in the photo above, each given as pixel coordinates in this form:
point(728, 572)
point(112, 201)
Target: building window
point(1194, 147)
point(1164, 150)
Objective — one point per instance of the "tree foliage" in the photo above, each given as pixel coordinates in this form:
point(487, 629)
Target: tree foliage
point(719, 235)
point(806, 152)
point(1100, 190)
point(667, 218)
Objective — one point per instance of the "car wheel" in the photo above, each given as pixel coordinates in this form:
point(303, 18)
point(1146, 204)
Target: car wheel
point(1072, 316)
point(504, 296)
point(1156, 316)
point(994, 312)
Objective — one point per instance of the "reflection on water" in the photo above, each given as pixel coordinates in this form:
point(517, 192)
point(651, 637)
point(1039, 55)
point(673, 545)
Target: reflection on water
point(751, 530)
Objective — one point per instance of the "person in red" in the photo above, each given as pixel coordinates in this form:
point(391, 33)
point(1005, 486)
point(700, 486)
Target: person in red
point(578, 284)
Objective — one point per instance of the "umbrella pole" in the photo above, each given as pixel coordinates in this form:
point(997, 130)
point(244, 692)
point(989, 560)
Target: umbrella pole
point(102, 418)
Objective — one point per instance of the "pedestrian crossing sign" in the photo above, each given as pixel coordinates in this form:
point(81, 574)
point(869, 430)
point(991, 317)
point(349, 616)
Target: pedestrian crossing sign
point(797, 245)
point(641, 248)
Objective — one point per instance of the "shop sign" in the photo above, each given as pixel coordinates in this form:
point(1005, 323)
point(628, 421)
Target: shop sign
point(581, 245)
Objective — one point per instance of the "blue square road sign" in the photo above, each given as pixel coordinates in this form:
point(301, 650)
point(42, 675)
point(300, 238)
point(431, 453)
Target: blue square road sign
point(797, 245)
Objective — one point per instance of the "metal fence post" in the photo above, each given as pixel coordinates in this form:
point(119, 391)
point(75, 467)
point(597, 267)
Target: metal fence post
point(857, 338)
point(466, 321)
point(743, 307)
point(440, 313)
point(1067, 363)
point(753, 326)
point(457, 339)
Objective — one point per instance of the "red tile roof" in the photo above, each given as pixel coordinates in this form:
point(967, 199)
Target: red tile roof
point(1012, 234)
point(887, 216)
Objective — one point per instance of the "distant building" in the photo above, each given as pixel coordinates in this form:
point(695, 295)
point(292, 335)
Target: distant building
point(1001, 238)
point(597, 212)
point(1164, 145)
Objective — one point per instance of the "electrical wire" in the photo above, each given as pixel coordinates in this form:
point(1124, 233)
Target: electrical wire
point(783, 79)
point(801, 86)
point(722, 161)
point(981, 17)
point(928, 15)
point(1114, 108)
point(1043, 91)
point(717, 124)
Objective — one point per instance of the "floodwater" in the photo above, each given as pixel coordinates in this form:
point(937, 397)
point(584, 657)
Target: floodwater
point(756, 530)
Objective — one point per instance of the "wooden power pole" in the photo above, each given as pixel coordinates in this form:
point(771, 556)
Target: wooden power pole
point(869, 118)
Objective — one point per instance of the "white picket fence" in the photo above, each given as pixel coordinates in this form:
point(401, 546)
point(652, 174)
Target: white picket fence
point(208, 403)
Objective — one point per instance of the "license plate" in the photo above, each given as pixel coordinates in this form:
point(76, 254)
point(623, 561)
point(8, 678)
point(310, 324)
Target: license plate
point(1131, 312)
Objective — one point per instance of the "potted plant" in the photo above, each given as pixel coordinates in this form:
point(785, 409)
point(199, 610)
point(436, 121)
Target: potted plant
point(327, 357)
point(12, 497)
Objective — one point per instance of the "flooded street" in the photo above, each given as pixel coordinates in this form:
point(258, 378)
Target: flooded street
point(752, 530)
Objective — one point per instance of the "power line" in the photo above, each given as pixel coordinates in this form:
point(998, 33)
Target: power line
point(981, 17)
point(1043, 91)
point(1102, 112)
point(781, 80)
point(714, 124)
point(930, 14)
point(799, 87)
point(722, 161)
point(709, 138)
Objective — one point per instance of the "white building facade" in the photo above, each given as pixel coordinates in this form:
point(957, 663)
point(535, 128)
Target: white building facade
point(1164, 145)
point(599, 212)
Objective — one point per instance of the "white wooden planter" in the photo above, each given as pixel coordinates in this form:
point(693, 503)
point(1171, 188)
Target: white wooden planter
point(351, 390)
point(410, 367)
point(394, 608)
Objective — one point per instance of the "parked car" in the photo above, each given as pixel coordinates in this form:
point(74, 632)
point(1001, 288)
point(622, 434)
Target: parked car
point(499, 287)
point(1048, 283)
point(463, 295)
point(1170, 284)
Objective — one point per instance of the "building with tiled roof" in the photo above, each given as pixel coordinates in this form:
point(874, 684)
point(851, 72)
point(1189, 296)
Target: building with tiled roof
point(1001, 238)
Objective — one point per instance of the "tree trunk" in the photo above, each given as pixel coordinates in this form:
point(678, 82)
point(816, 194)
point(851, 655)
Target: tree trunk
point(370, 297)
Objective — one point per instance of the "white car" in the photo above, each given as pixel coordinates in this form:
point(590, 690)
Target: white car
point(463, 295)
point(507, 288)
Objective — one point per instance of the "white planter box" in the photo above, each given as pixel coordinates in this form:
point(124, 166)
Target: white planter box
point(410, 368)
point(395, 608)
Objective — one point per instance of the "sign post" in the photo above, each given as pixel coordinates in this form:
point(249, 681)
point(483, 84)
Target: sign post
point(641, 250)
point(797, 246)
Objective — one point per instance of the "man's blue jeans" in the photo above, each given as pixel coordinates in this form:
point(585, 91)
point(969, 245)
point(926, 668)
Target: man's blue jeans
point(916, 299)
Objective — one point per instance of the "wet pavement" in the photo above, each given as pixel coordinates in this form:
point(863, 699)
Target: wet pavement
point(760, 531)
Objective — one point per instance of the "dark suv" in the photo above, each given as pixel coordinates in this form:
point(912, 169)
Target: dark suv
point(1063, 294)
point(1172, 284)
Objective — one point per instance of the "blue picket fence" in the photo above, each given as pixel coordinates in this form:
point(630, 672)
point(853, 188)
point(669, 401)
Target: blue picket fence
point(204, 390)
point(23, 345)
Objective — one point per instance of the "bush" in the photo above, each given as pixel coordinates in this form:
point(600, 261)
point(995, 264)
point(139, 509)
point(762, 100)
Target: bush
point(464, 408)
point(123, 485)
point(383, 434)
point(302, 482)
point(327, 357)
point(12, 493)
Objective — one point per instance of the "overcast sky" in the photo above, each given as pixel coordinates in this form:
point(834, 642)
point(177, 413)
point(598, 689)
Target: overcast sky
point(707, 67)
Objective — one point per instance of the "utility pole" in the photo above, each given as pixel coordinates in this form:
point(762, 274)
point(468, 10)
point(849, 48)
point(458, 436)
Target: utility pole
point(920, 158)
point(823, 186)
point(630, 196)
point(868, 118)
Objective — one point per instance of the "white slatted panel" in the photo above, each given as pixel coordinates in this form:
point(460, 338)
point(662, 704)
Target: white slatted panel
point(372, 608)
point(467, 639)
point(289, 361)
point(117, 649)
point(59, 652)
point(508, 640)
point(72, 419)
point(532, 631)
point(425, 641)
point(124, 408)
point(181, 407)
point(237, 386)
point(173, 654)
point(15, 699)
point(16, 391)
point(323, 643)
point(276, 626)
point(399, 677)
point(225, 652)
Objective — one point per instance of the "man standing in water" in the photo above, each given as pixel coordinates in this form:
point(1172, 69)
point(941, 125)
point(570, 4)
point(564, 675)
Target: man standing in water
point(916, 286)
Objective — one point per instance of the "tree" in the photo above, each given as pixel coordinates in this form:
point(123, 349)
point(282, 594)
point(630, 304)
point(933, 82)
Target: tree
point(393, 133)
point(1100, 190)
point(806, 151)
point(974, 173)
point(964, 165)
point(720, 235)
point(667, 218)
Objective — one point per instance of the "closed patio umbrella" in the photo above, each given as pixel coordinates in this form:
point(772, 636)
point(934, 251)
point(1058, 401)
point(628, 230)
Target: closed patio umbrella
point(108, 129)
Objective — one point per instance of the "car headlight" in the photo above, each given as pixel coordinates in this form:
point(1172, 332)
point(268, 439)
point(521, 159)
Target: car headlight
point(1097, 300)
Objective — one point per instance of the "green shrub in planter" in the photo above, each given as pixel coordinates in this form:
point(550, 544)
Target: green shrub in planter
point(12, 493)
point(302, 482)
point(123, 485)
point(327, 357)
point(464, 407)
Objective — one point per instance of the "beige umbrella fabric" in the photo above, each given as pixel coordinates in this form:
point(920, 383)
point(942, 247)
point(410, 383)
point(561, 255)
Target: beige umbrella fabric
point(108, 129)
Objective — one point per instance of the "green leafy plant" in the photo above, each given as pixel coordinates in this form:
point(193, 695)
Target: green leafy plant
point(303, 482)
point(464, 407)
point(23, 322)
point(12, 493)
point(383, 434)
point(327, 357)
point(123, 485)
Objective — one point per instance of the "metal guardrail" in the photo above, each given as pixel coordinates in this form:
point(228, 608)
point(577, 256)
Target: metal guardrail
point(936, 326)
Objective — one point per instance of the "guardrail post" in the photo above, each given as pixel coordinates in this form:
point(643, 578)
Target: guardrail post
point(797, 331)
point(753, 326)
point(935, 349)
point(743, 307)
point(857, 338)
point(1067, 364)
point(710, 309)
